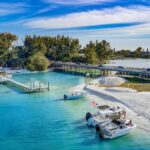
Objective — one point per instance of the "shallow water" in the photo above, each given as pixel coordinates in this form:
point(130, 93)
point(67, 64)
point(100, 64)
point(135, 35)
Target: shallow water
point(45, 122)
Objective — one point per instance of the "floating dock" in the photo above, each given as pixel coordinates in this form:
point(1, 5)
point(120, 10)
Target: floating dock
point(28, 89)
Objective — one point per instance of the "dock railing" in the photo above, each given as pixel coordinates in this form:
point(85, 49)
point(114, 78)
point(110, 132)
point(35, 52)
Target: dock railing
point(32, 88)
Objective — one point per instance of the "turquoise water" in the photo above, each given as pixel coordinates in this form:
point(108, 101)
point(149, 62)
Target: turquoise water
point(45, 122)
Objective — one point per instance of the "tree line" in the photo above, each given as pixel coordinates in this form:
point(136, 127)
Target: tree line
point(138, 53)
point(37, 52)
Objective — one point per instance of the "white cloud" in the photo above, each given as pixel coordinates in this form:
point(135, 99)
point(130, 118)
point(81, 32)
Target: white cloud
point(78, 2)
point(120, 37)
point(126, 37)
point(49, 8)
point(131, 32)
point(11, 8)
point(91, 18)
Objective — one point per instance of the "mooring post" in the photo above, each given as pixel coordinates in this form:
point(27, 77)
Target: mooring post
point(33, 85)
point(48, 86)
point(30, 85)
point(39, 85)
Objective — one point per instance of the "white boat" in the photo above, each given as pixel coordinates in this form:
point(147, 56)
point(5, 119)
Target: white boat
point(104, 114)
point(75, 95)
point(7, 72)
point(115, 128)
point(8, 75)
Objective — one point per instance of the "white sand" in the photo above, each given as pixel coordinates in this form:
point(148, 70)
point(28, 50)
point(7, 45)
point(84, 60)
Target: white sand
point(78, 87)
point(109, 80)
point(118, 89)
point(137, 104)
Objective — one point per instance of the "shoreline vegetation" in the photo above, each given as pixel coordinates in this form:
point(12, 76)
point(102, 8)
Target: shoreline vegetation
point(140, 85)
point(38, 52)
point(137, 84)
point(145, 87)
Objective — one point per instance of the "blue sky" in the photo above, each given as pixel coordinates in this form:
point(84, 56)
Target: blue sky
point(124, 23)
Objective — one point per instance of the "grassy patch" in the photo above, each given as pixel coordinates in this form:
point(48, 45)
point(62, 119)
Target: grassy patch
point(136, 80)
point(137, 86)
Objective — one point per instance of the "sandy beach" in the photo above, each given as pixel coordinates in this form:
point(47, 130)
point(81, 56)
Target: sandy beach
point(137, 104)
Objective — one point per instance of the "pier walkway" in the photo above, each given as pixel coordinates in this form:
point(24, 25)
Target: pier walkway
point(29, 89)
point(103, 70)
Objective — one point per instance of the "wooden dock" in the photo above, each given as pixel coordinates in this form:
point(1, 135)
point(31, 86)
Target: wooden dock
point(33, 88)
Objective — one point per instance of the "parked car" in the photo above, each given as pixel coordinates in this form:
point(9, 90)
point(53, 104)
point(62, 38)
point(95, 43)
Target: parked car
point(86, 64)
point(78, 63)
point(100, 65)
point(148, 69)
point(120, 67)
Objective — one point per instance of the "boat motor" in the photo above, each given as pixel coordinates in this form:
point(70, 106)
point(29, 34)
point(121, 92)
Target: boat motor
point(65, 96)
point(88, 115)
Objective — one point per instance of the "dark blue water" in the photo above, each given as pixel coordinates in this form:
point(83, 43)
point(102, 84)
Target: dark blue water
point(45, 122)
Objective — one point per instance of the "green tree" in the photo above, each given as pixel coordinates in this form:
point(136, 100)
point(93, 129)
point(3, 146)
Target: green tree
point(6, 41)
point(138, 52)
point(54, 48)
point(90, 53)
point(104, 51)
point(123, 53)
point(12, 60)
point(37, 62)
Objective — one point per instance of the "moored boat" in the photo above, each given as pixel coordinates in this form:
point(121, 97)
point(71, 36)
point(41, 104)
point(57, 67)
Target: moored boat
point(8, 75)
point(75, 95)
point(104, 113)
point(115, 128)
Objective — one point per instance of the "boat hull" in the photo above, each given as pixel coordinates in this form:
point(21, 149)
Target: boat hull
point(121, 133)
point(91, 122)
point(75, 97)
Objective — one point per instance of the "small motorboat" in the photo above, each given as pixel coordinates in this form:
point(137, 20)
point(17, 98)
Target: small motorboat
point(75, 95)
point(104, 114)
point(115, 128)
point(8, 75)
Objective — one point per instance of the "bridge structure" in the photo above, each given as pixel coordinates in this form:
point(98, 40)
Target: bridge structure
point(95, 70)
point(28, 89)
